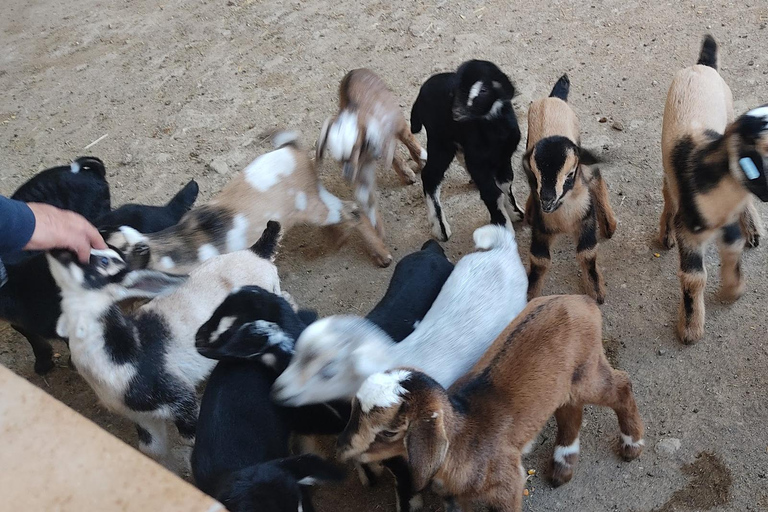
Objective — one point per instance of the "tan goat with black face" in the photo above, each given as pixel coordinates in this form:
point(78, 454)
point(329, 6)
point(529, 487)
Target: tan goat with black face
point(712, 166)
point(366, 130)
point(469, 440)
point(567, 196)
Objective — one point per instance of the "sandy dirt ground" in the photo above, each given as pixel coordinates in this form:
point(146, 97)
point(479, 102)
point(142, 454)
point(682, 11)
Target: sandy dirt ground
point(177, 85)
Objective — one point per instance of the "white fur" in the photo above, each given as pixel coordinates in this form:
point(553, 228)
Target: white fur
point(206, 252)
point(433, 219)
point(237, 237)
point(333, 204)
point(267, 170)
point(131, 235)
point(167, 262)
point(74, 167)
point(495, 109)
point(627, 441)
point(342, 136)
point(283, 138)
point(474, 91)
point(561, 452)
point(528, 447)
point(224, 324)
point(417, 503)
point(382, 390)
point(423, 154)
point(450, 339)
point(274, 334)
point(300, 201)
point(375, 135)
point(759, 112)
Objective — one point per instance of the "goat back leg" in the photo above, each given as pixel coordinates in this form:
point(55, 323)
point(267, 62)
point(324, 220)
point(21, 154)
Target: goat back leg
point(185, 412)
point(41, 348)
point(366, 197)
point(540, 260)
point(606, 219)
point(504, 182)
point(586, 252)
point(402, 170)
point(153, 439)
point(491, 194)
point(567, 443)
point(418, 153)
point(431, 178)
point(616, 392)
point(693, 280)
point(666, 227)
point(751, 225)
point(731, 245)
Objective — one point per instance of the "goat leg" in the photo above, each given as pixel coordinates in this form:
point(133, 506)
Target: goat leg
point(41, 348)
point(731, 245)
point(540, 260)
point(751, 225)
point(586, 252)
point(567, 444)
point(693, 279)
point(606, 219)
point(666, 227)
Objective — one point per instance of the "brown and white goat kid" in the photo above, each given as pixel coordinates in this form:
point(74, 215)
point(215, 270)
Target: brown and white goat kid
point(567, 196)
point(469, 440)
point(280, 185)
point(712, 165)
point(365, 131)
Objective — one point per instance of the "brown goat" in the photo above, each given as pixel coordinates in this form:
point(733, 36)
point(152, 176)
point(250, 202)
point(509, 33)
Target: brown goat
point(280, 185)
point(567, 196)
point(711, 165)
point(469, 440)
point(364, 131)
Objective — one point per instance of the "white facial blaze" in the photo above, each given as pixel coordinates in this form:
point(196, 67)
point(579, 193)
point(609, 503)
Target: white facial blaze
point(382, 390)
point(474, 91)
point(267, 170)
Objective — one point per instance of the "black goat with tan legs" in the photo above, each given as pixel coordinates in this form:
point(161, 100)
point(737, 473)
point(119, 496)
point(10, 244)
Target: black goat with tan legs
point(469, 440)
point(712, 165)
point(567, 196)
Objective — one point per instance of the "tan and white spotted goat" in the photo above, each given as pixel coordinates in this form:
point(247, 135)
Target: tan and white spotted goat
point(468, 441)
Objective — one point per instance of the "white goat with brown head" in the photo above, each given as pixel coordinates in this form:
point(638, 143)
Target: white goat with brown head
point(469, 440)
point(280, 185)
point(713, 165)
point(366, 130)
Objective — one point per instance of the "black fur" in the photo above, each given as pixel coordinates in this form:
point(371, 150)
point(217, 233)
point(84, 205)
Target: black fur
point(732, 233)
point(690, 261)
point(708, 54)
point(415, 284)
point(561, 88)
point(487, 139)
point(266, 246)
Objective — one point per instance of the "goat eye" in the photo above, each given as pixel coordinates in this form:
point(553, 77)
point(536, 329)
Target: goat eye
point(328, 371)
point(104, 261)
point(388, 434)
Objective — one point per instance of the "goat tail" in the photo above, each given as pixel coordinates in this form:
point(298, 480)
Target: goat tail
point(561, 88)
point(708, 54)
point(416, 123)
point(282, 138)
point(266, 246)
point(493, 236)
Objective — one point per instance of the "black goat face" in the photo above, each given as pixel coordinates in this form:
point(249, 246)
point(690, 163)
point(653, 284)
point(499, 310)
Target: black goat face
point(752, 128)
point(554, 165)
point(481, 91)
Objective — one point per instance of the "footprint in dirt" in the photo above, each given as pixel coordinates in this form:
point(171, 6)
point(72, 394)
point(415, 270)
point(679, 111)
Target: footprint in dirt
point(709, 486)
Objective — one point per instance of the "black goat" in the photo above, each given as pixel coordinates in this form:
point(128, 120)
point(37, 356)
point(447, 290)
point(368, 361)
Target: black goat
point(251, 334)
point(469, 112)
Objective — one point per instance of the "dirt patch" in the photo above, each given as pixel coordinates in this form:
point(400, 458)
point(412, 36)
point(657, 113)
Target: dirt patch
point(709, 487)
point(612, 347)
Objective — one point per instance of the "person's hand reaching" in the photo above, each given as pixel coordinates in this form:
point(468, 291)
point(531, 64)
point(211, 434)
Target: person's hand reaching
point(63, 229)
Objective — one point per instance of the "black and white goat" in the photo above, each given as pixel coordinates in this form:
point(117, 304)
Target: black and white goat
point(30, 300)
point(567, 195)
point(251, 334)
point(713, 165)
point(469, 113)
point(144, 365)
point(280, 185)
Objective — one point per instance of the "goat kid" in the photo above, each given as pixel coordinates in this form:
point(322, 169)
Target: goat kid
point(567, 196)
point(712, 166)
point(281, 185)
point(30, 299)
point(469, 113)
point(144, 365)
point(365, 131)
point(251, 335)
point(469, 440)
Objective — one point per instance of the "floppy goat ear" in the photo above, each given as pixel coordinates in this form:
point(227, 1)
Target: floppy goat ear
point(427, 445)
point(309, 469)
point(506, 88)
point(586, 157)
point(148, 284)
point(321, 142)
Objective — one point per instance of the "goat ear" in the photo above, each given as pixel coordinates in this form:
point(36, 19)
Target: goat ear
point(507, 89)
point(586, 157)
point(149, 284)
point(321, 142)
point(310, 469)
point(427, 445)
point(238, 346)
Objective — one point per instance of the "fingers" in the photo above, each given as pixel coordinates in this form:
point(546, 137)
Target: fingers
point(57, 228)
point(87, 238)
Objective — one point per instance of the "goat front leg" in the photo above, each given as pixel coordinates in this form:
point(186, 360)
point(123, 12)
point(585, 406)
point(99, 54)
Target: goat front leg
point(731, 245)
point(540, 260)
point(365, 194)
point(153, 438)
point(185, 413)
point(751, 225)
point(666, 227)
point(42, 349)
point(504, 182)
point(586, 252)
point(493, 197)
point(431, 178)
point(567, 444)
point(693, 279)
point(506, 495)
point(606, 219)
point(418, 154)
point(404, 172)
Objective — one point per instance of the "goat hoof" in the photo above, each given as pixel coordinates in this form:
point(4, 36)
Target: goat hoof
point(732, 293)
point(753, 241)
point(689, 336)
point(666, 242)
point(383, 261)
point(44, 366)
point(561, 474)
point(631, 451)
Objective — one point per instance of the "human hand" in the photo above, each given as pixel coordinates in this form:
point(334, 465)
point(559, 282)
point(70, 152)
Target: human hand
point(63, 229)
